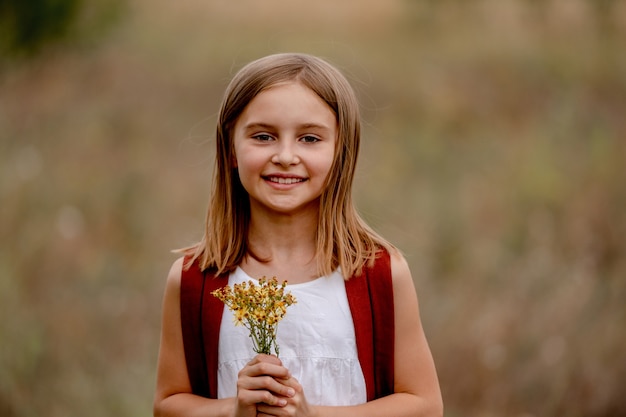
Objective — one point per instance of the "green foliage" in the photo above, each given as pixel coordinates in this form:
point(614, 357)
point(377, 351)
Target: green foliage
point(26, 27)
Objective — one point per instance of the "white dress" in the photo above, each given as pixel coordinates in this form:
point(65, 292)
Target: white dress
point(316, 340)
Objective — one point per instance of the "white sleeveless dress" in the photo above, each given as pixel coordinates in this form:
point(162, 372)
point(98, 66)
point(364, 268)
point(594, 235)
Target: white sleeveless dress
point(316, 340)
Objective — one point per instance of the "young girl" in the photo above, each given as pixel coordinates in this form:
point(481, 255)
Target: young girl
point(287, 139)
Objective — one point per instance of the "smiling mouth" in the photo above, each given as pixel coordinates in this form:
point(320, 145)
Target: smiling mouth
point(282, 180)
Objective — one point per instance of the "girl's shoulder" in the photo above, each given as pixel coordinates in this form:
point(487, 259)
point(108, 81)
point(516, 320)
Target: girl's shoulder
point(175, 274)
point(400, 271)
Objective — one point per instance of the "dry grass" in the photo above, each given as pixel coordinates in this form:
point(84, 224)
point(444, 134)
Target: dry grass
point(493, 156)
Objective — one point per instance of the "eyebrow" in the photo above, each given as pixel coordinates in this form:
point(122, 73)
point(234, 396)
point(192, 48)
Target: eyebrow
point(261, 125)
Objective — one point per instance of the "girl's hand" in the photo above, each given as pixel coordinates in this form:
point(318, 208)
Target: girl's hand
point(296, 405)
point(258, 384)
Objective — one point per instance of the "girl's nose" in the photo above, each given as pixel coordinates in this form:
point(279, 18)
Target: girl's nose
point(285, 154)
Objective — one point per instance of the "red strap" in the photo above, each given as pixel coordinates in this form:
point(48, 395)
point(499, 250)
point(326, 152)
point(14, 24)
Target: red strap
point(381, 296)
point(370, 296)
point(201, 316)
point(357, 289)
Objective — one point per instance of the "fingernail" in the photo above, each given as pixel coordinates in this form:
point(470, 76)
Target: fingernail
point(282, 403)
point(291, 392)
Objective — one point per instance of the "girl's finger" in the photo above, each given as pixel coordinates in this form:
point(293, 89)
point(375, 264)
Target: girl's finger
point(265, 383)
point(257, 397)
point(261, 366)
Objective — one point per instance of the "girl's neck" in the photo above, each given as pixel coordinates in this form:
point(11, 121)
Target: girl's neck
point(283, 246)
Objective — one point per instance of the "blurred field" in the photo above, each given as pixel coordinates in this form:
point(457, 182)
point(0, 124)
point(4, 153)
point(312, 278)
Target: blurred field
point(493, 156)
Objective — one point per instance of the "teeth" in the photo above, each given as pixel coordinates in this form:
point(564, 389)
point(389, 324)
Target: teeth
point(282, 180)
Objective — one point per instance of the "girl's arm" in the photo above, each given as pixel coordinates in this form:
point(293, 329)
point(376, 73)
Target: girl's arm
point(173, 391)
point(416, 390)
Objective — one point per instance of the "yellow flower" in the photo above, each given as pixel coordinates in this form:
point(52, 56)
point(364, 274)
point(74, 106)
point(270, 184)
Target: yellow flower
point(259, 308)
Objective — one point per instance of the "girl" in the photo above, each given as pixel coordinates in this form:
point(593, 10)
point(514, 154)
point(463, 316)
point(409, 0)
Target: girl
point(287, 139)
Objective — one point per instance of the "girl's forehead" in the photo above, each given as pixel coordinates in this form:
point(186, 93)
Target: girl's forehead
point(288, 97)
point(286, 83)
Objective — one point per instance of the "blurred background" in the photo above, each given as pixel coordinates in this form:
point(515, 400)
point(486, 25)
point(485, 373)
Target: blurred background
point(493, 156)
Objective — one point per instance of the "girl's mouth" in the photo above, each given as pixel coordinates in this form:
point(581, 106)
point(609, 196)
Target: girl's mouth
point(283, 180)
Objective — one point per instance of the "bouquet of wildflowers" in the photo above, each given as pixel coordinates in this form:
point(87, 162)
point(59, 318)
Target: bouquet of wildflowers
point(259, 308)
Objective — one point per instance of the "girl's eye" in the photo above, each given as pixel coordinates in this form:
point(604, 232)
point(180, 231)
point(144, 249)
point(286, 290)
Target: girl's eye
point(262, 137)
point(310, 139)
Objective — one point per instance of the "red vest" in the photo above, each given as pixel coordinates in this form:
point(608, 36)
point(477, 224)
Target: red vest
point(370, 296)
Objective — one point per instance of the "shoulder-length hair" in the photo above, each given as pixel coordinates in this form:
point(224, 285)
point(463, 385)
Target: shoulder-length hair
point(343, 239)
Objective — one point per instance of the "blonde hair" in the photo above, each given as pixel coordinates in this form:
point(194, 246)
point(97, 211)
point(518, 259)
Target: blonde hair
point(343, 239)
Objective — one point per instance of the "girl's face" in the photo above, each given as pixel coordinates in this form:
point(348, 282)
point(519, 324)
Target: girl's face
point(284, 145)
